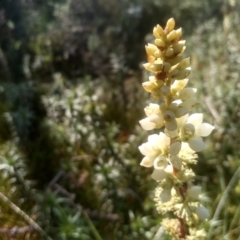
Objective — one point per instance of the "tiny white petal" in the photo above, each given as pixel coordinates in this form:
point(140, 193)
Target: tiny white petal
point(163, 141)
point(165, 195)
point(169, 169)
point(160, 162)
point(175, 148)
point(181, 111)
point(153, 137)
point(146, 124)
point(190, 103)
point(171, 134)
point(147, 150)
point(152, 109)
point(187, 93)
point(196, 144)
point(179, 84)
point(172, 125)
point(159, 174)
point(182, 120)
point(176, 162)
point(194, 192)
point(147, 162)
point(196, 119)
point(202, 212)
point(204, 129)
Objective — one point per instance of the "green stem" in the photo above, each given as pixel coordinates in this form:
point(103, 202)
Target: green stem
point(94, 230)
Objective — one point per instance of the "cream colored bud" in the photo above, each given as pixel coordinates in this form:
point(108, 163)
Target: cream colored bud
point(150, 49)
point(187, 93)
point(190, 104)
point(160, 43)
point(165, 90)
point(166, 67)
point(173, 73)
point(158, 54)
point(178, 85)
point(171, 36)
point(152, 79)
point(148, 86)
point(158, 31)
point(169, 52)
point(147, 66)
point(153, 67)
point(175, 60)
point(157, 67)
point(184, 63)
point(183, 73)
point(170, 24)
point(163, 107)
point(194, 192)
point(178, 47)
point(178, 34)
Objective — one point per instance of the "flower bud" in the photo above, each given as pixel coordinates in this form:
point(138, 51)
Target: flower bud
point(170, 25)
point(148, 86)
point(184, 63)
point(166, 67)
point(183, 73)
point(160, 43)
point(165, 90)
point(178, 48)
point(165, 195)
point(178, 34)
point(171, 36)
point(202, 212)
point(158, 54)
point(150, 49)
point(158, 31)
point(175, 60)
point(187, 93)
point(194, 191)
point(169, 52)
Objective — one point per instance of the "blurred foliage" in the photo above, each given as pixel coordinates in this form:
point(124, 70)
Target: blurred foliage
point(71, 99)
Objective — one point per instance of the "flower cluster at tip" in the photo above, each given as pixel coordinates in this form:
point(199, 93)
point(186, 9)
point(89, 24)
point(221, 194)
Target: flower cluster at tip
point(171, 152)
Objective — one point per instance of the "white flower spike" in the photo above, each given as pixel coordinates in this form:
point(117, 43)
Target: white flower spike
point(171, 152)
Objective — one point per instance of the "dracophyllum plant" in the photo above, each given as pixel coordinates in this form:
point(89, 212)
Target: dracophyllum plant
point(172, 151)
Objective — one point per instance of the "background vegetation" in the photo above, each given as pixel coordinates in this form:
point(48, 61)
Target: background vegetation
point(71, 99)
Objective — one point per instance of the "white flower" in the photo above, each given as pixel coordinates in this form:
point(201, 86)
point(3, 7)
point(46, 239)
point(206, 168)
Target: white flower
point(154, 117)
point(191, 130)
point(157, 145)
point(171, 113)
point(186, 95)
point(160, 174)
